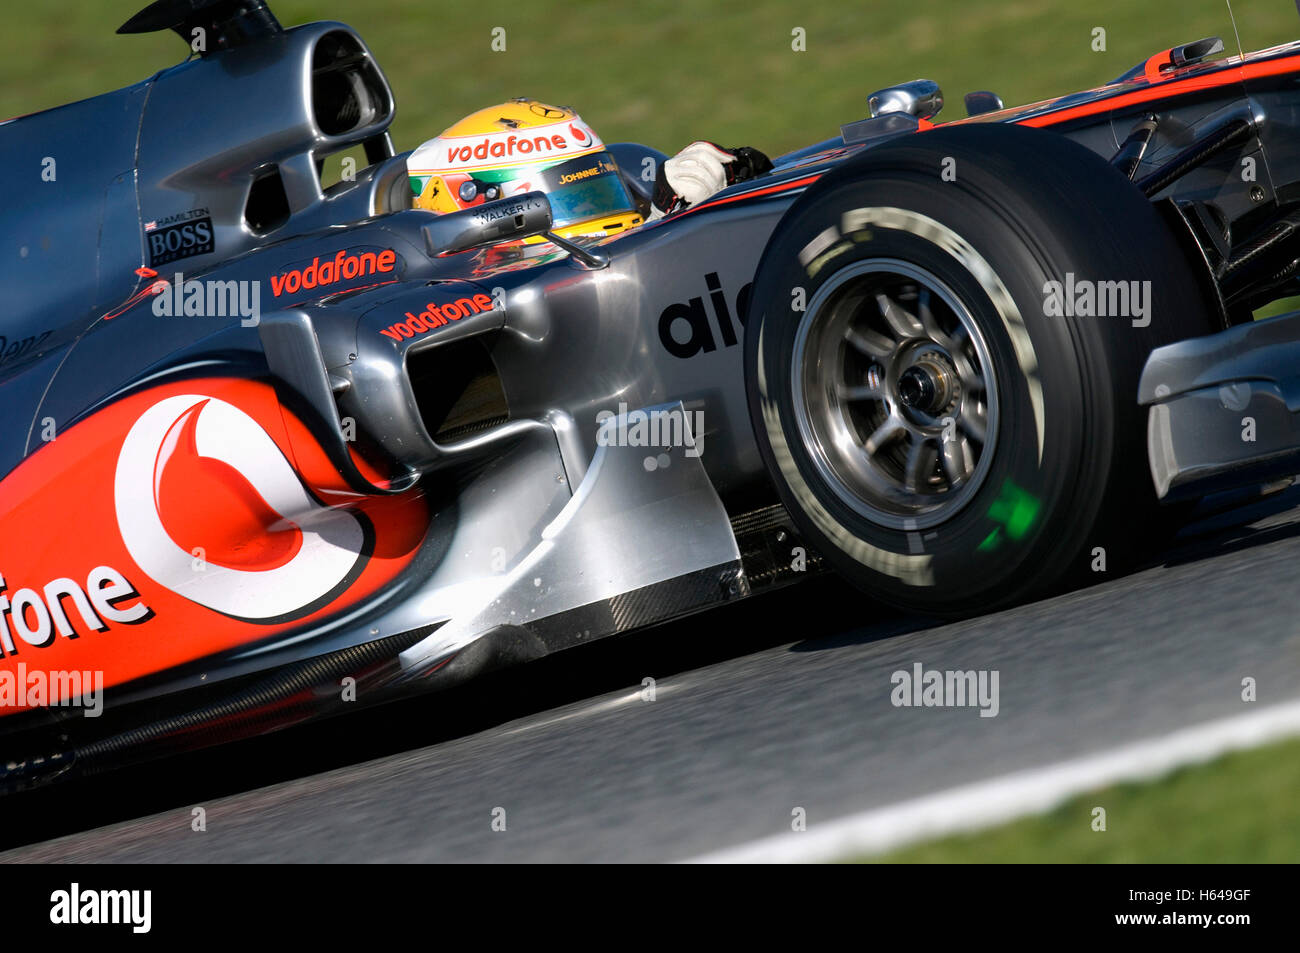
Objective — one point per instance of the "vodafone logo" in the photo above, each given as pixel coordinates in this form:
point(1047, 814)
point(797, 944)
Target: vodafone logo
point(580, 134)
point(209, 508)
point(548, 144)
point(342, 267)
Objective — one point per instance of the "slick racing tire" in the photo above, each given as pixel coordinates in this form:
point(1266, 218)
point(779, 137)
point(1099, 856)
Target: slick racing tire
point(948, 412)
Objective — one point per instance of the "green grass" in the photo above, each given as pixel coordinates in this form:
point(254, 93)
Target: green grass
point(663, 71)
point(1243, 808)
point(1274, 308)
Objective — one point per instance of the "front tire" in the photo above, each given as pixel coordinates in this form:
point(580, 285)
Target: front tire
point(942, 434)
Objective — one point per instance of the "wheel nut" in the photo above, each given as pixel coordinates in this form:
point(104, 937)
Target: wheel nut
point(916, 388)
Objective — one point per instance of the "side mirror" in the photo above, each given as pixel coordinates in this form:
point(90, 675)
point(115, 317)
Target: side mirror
point(921, 98)
point(504, 220)
point(982, 101)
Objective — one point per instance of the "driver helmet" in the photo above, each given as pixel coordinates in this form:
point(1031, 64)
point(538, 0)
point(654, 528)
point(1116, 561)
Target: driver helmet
point(525, 146)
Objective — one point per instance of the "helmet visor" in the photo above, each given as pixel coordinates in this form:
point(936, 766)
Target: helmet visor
point(590, 198)
point(578, 189)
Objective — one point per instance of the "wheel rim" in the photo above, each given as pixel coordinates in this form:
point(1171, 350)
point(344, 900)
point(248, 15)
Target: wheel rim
point(894, 394)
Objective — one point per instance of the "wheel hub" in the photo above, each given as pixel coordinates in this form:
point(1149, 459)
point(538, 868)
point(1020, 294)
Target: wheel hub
point(928, 386)
point(894, 393)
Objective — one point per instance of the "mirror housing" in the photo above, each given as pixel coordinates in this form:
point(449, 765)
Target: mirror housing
point(512, 219)
point(982, 101)
point(921, 98)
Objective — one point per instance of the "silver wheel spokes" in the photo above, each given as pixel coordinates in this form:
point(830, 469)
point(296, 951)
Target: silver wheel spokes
point(896, 389)
point(960, 435)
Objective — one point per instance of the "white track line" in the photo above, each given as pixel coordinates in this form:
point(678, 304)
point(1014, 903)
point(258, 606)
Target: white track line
point(1033, 791)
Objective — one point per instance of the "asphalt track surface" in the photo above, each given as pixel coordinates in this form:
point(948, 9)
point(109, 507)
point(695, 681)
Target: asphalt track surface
point(778, 703)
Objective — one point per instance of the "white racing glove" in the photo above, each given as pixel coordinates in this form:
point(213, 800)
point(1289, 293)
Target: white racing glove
point(700, 170)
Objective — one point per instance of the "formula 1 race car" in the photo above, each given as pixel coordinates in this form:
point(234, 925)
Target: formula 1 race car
point(274, 447)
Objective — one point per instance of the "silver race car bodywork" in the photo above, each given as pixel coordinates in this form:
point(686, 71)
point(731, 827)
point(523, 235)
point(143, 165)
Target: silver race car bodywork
point(549, 443)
